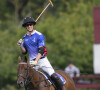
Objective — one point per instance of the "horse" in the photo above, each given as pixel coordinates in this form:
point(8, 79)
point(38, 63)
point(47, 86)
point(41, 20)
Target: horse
point(32, 79)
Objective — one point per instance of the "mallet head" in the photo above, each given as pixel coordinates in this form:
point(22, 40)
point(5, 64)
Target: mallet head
point(51, 3)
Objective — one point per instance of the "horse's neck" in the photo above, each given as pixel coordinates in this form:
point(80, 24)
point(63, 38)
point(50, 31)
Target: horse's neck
point(34, 74)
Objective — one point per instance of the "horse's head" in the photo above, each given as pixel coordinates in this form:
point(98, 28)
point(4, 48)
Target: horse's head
point(23, 71)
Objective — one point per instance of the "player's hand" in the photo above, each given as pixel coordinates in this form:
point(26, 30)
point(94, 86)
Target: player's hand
point(20, 43)
point(34, 63)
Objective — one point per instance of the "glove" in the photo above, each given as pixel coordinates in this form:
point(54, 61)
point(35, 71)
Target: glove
point(34, 63)
point(20, 43)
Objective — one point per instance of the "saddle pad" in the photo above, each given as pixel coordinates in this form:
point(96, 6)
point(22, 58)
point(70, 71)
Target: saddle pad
point(46, 76)
point(63, 80)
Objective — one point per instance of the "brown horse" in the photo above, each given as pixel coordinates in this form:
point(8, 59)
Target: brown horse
point(31, 79)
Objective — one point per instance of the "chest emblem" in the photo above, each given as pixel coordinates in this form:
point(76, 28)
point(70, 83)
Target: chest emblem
point(33, 39)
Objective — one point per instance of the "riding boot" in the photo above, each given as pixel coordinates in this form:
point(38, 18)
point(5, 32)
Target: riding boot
point(57, 81)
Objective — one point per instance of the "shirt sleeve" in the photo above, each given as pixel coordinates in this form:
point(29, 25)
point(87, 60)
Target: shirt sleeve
point(41, 40)
point(77, 71)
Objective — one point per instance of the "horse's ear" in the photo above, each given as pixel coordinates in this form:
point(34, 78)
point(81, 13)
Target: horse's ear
point(19, 58)
point(25, 58)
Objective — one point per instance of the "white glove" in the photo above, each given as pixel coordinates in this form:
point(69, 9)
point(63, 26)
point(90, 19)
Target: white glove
point(33, 63)
point(20, 43)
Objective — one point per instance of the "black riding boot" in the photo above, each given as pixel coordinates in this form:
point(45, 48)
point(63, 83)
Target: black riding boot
point(58, 82)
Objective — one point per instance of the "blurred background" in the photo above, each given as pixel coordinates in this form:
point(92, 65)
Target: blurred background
point(68, 28)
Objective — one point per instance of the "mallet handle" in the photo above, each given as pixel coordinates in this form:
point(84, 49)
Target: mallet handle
point(42, 12)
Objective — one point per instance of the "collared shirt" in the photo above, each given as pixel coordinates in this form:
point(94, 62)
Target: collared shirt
point(33, 42)
point(72, 71)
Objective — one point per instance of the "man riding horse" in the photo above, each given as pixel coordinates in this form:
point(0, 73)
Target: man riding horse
point(33, 42)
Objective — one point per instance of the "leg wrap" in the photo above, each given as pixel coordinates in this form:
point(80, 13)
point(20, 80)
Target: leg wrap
point(58, 82)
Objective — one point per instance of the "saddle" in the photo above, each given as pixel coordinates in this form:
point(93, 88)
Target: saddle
point(51, 81)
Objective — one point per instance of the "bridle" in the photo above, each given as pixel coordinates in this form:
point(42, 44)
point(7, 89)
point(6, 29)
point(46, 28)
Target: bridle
point(27, 81)
point(25, 77)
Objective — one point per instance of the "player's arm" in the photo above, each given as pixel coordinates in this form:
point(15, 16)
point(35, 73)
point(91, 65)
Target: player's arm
point(40, 53)
point(24, 51)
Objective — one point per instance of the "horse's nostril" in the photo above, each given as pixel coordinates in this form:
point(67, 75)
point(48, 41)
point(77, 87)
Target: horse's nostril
point(20, 83)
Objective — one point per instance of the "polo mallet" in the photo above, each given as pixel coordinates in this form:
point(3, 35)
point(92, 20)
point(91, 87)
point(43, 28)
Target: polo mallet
point(50, 3)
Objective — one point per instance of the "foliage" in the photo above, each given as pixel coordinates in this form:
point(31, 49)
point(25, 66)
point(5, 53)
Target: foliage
point(70, 36)
point(68, 28)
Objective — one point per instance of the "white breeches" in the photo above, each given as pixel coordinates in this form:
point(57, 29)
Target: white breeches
point(45, 65)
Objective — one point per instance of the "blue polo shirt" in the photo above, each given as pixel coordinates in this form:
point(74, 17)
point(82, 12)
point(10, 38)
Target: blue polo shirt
point(33, 42)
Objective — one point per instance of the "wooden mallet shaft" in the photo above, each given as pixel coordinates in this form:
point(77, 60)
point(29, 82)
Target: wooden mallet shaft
point(50, 3)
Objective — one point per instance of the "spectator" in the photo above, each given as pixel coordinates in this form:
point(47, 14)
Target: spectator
point(72, 70)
